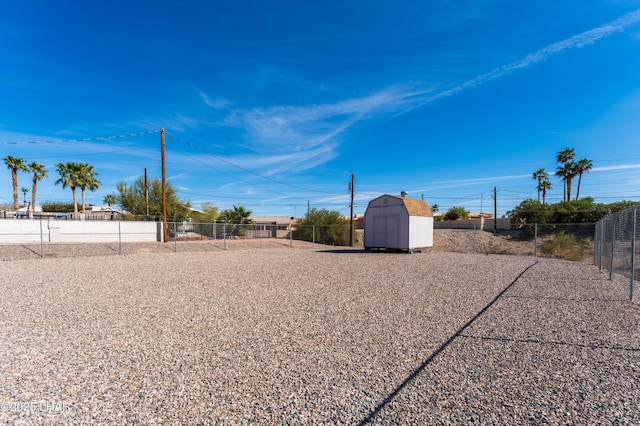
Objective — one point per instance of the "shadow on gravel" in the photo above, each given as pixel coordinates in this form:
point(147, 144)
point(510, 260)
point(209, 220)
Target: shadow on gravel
point(371, 416)
point(566, 299)
point(37, 253)
point(343, 251)
point(360, 251)
point(546, 342)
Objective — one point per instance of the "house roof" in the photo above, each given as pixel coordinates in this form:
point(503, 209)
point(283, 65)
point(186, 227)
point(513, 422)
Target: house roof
point(272, 219)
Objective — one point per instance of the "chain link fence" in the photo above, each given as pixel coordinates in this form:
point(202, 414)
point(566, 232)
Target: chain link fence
point(260, 234)
point(616, 246)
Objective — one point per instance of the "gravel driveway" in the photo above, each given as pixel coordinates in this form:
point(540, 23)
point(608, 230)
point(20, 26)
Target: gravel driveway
point(305, 336)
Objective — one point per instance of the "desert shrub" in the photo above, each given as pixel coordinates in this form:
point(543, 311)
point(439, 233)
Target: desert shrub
point(323, 227)
point(564, 246)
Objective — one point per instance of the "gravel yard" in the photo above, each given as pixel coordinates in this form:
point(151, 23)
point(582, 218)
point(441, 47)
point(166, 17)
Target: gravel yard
point(311, 336)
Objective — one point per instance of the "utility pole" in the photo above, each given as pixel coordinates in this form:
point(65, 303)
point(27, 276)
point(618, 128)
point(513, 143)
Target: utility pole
point(164, 188)
point(351, 214)
point(495, 210)
point(146, 192)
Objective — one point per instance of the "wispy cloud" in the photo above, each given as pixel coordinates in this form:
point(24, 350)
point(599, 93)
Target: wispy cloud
point(287, 138)
point(578, 41)
point(308, 126)
point(299, 130)
point(614, 168)
point(217, 103)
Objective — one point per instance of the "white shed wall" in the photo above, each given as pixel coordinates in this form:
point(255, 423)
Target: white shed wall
point(420, 232)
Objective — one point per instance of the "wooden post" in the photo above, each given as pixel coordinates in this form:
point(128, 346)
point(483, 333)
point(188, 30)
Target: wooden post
point(164, 188)
point(351, 214)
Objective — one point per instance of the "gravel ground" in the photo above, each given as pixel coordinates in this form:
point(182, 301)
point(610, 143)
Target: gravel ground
point(313, 336)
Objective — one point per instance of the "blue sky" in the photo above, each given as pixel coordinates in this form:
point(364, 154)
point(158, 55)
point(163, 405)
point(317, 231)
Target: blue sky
point(272, 105)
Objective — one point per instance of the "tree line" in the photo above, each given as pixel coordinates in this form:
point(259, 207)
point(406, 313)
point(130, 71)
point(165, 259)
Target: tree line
point(137, 198)
point(567, 171)
point(72, 175)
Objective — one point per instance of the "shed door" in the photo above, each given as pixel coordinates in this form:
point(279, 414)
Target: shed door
point(387, 231)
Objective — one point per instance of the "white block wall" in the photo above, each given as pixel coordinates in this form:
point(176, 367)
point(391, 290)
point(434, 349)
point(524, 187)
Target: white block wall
point(75, 231)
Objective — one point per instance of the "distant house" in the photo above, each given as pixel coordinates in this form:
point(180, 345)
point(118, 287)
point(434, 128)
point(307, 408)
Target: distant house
point(398, 223)
point(278, 226)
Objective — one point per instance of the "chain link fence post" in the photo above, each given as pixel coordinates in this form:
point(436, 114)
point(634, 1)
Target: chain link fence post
point(633, 251)
point(613, 244)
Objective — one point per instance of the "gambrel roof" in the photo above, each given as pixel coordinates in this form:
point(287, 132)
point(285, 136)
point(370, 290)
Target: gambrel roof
point(414, 207)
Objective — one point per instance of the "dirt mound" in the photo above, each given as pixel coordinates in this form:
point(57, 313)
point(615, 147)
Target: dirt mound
point(474, 241)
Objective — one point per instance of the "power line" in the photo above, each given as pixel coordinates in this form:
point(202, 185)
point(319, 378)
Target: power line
point(129, 135)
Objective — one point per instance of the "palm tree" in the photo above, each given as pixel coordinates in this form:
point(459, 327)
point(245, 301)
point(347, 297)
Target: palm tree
point(540, 175)
point(565, 157)
point(109, 199)
point(69, 173)
point(566, 173)
point(544, 186)
point(24, 190)
point(238, 215)
point(39, 173)
point(87, 180)
point(582, 166)
point(14, 164)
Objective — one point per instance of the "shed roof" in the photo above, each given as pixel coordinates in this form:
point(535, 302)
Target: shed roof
point(414, 207)
point(417, 207)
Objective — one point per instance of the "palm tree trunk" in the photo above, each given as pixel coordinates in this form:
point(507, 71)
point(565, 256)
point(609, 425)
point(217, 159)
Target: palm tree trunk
point(33, 195)
point(14, 181)
point(569, 189)
point(578, 190)
point(82, 189)
point(75, 203)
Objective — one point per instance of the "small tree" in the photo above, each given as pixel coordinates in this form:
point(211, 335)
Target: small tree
point(132, 199)
point(323, 227)
point(456, 213)
point(209, 213)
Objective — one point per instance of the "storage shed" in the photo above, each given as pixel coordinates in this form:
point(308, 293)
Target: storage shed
point(398, 223)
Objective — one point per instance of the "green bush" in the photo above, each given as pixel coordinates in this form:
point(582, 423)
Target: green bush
point(564, 246)
point(456, 213)
point(323, 227)
point(584, 210)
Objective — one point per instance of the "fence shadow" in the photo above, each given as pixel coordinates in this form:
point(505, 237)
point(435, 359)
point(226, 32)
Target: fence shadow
point(371, 416)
